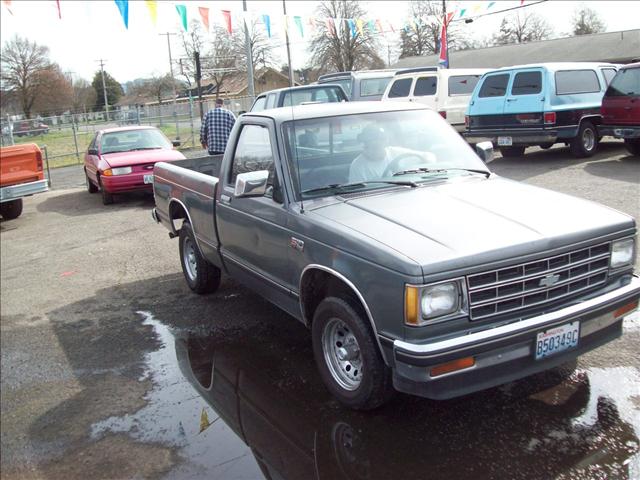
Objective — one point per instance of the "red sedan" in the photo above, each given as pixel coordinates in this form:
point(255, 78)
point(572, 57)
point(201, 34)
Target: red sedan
point(121, 159)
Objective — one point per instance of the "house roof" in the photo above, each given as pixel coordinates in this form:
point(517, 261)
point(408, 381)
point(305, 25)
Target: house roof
point(613, 47)
point(236, 83)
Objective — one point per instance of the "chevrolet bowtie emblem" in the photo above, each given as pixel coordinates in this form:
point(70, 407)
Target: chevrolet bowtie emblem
point(549, 280)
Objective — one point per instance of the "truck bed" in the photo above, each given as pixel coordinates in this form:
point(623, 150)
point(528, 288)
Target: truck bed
point(209, 165)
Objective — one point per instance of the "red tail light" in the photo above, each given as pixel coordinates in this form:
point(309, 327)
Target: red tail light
point(466, 121)
point(549, 118)
point(39, 161)
point(443, 114)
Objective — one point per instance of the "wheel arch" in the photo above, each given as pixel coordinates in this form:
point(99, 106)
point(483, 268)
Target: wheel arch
point(318, 282)
point(177, 211)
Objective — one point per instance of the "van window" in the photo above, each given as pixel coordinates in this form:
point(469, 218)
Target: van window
point(271, 100)
point(373, 86)
point(462, 84)
point(527, 83)
point(260, 104)
point(609, 73)
point(425, 86)
point(576, 81)
point(400, 88)
point(494, 86)
point(626, 83)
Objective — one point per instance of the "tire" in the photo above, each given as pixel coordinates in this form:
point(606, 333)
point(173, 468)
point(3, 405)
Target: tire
point(11, 209)
point(546, 146)
point(362, 382)
point(585, 143)
point(512, 152)
point(107, 198)
point(91, 188)
point(633, 146)
point(201, 276)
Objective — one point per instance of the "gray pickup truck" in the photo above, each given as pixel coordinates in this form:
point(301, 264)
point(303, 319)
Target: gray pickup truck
point(415, 267)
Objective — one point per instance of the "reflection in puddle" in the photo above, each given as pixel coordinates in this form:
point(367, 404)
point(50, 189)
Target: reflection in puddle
point(279, 422)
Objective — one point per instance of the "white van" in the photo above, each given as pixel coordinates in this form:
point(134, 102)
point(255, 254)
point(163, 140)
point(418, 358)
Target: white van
point(445, 90)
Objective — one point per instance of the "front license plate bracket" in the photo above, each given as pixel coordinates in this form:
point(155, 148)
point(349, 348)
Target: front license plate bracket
point(557, 339)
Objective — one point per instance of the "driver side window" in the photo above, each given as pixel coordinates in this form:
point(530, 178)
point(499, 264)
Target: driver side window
point(253, 152)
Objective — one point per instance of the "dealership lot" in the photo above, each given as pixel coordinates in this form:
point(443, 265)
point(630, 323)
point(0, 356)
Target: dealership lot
point(95, 311)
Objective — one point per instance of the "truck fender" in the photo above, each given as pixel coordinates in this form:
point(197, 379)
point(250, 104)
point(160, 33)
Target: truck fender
point(176, 205)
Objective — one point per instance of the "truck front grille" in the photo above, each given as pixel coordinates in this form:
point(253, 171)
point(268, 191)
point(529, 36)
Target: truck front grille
point(536, 283)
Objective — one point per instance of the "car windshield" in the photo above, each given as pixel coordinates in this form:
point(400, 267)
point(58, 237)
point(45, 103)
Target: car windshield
point(130, 140)
point(369, 151)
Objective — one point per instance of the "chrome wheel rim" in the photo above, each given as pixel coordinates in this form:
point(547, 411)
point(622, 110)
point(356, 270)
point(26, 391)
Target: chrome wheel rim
point(342, 354)
point(189, 259)
point(588, 139)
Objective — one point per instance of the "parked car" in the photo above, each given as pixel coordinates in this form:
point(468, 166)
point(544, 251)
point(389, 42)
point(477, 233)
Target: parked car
point(445, 90)
point(21, 175)
point(436, 277)
point(287, 97)
point(621, 108)
point(539, 104)
point(28, 128)
point(121, 159)
point(367, 85)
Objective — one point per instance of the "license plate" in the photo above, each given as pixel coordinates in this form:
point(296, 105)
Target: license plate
point(557, 339)
point(148, 178)
point(505, 141)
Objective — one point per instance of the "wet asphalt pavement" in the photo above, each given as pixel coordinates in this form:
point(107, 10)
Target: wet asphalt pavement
point(112, 368)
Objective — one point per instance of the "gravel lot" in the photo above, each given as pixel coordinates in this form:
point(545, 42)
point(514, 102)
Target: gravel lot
point(95, 311)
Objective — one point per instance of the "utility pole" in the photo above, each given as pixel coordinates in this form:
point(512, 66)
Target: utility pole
point(196, 58)
point(173, 85)
point(247, 40)
point(446, 29)
point(286, 36)
point(104, 88)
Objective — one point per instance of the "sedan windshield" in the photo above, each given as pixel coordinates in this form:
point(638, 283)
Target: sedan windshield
point(376, 150)
point(130, 140)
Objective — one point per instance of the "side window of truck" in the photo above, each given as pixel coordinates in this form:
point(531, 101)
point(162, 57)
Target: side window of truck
point(494, 86)
point(571, 82)
point(253, 152)
point(400, 88)
point(527, 83)
point(425, 86)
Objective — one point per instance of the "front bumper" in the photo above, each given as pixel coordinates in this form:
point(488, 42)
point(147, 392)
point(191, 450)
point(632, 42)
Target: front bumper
point(519, 137)
point(507, 353)
point(620, 131)
point(23, 190)
point(125, 183)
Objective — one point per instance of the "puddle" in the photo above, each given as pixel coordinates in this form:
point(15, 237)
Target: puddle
point(266, 415)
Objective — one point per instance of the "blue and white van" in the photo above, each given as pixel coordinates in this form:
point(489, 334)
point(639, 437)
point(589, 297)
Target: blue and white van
point(539, 105)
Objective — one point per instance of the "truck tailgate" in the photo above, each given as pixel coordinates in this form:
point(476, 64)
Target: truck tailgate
point(20, 164)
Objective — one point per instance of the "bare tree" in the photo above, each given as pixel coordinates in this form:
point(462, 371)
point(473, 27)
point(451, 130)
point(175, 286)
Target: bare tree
point(262, 51)
point(586, 21)
point(522, 27)
point(84, 95)
point(423, 37)
point(158, 87)
point(59, 91)
point(22, 61)
point(192, 41)
point(339, 50)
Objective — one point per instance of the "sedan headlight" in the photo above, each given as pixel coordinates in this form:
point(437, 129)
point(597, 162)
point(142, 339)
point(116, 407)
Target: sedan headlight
point(622, 252)
point(430, 303)
point(117, 171)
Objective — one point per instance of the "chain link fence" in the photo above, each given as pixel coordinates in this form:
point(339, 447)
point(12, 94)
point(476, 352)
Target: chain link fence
point(67, 136)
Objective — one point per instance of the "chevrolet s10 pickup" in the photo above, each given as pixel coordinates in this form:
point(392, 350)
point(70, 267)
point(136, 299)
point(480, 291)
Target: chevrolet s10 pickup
point(415, 267)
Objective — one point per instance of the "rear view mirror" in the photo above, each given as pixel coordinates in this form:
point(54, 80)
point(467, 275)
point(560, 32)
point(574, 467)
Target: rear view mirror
point(92, 151)
point(485, 151)
point(251, 184)
point(176, 143)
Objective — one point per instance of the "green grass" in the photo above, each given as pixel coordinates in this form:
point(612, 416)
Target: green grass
point(61, 148)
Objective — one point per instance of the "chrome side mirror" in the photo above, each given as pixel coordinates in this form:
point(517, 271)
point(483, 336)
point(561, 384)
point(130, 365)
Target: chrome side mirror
point(485, 151)
point(251, 184)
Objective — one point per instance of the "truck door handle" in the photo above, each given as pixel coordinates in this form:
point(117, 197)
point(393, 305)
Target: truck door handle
point(511, 99)
point(225, 198)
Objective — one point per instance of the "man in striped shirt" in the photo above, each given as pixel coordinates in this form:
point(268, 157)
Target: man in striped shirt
point(215, 129)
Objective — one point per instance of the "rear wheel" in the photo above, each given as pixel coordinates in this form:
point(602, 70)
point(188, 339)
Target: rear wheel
point(512, 152)
point(585, 143)
point(347, 356)
point(11, 209)
point(201, 276)
point(633, 146)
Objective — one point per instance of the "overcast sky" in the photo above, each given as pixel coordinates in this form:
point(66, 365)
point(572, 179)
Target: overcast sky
point(90, 30)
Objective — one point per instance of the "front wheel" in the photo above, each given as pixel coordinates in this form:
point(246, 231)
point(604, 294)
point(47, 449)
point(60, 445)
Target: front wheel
point(91, 188)
point(633, 146)
point(585, 143)
point(11, 209)
point(201, 276)
point(512, 152)
point(347, 356)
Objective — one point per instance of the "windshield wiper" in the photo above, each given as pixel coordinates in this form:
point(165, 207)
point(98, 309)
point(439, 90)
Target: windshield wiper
point(342, 186)
point(439, 170)
point(145, 148)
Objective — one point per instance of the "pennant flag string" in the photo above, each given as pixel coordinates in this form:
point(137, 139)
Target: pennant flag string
point(123, 6)
point(204, 15)
point(298, 21)
point(7, 4)
point(352, 27)
point(152, 6)
point(182, 11)
point(59, 12)
point(267, 24)
point(227, 19)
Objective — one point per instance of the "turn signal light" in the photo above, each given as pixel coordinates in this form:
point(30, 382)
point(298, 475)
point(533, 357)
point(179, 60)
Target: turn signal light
point(549, 118)
point(629, 307)
point(466, 121)
point(108, 172)
point(411, 306)
point(453, 366)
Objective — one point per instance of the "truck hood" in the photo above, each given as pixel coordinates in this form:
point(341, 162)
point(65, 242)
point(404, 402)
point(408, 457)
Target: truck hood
point(470, 222)
point(141, 157)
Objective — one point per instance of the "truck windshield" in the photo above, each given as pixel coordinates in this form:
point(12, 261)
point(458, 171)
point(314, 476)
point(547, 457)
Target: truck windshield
point(373, 149)
point(138, 139)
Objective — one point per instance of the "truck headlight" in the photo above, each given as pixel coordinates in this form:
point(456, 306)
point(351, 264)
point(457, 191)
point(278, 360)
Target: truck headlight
point(428, 303)
point(622, 253)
